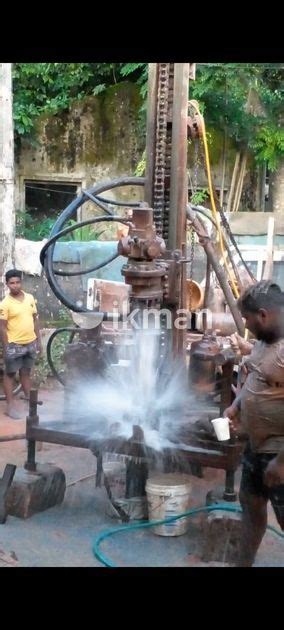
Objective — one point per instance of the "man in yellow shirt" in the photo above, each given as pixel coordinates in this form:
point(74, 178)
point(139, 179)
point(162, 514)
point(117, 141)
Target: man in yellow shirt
point(20, 334)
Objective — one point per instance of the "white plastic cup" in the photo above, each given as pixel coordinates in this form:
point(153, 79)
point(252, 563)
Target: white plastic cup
point(221, 428)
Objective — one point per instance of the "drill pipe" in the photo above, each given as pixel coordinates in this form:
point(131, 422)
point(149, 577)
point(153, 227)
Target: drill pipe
point(207, 245)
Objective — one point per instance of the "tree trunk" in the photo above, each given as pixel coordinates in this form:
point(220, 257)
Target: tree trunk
point(260, 189)
point(233, 182)
point(277, 189)
point(7, 212)
point(224, 155)
point(240, 183)
point(268, 268)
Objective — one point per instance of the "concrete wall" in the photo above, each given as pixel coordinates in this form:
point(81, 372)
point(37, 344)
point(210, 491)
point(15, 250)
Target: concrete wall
point(96, 140)
point(250, 199)
point(100, 138)
point(49, 307)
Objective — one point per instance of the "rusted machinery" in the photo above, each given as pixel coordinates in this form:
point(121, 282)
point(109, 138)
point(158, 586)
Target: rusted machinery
point(155, 268)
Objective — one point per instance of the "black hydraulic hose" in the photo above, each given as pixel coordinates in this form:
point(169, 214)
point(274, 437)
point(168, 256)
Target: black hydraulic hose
point(124, 204)
point(51, 276)
point(72, 228)
point(230, 234)
point(95, 191)
point(231, 258)
point(73, 332)
point(234, 242)
point(89, 270)
point(98, 202)
point(65, 216)
point(201, 210)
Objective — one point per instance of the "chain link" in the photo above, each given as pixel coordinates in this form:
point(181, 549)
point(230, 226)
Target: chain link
point(192, 252)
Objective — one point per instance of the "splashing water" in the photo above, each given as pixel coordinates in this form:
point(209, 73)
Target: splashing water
point(149, 389)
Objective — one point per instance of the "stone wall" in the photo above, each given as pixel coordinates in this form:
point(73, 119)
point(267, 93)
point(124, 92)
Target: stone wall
point(98, 139)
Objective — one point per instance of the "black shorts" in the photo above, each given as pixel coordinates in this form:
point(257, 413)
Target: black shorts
point(252, 481)
point(19, 356)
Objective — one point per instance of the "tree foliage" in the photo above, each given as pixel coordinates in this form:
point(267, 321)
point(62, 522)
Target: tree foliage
point(269, 145)
point(244, 99)
point(139, 70)
point(47, 88)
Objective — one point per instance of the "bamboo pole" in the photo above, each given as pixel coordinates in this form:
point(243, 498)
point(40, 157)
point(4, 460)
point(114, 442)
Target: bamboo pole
point(233, 182)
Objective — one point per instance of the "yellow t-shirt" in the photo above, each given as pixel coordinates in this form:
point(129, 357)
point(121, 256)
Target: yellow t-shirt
point(19, 317)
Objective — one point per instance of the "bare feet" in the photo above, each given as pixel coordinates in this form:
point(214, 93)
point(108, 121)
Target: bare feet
point(12, 413)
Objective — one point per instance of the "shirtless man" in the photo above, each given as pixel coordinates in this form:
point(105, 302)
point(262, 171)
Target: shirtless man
point(260, 408)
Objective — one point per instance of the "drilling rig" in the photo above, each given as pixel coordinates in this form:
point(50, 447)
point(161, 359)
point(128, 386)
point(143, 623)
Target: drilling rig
point(155, 273)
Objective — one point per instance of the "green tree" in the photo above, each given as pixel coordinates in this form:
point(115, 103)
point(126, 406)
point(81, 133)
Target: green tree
point(221, 89)
point(246, 100)
point(47, 88)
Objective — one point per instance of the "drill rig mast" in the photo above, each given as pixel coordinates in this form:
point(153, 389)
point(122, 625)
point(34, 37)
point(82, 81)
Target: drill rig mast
point(155, 247)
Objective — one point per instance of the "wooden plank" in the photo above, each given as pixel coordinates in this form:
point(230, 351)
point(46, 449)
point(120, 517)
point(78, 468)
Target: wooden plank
point(268, 268)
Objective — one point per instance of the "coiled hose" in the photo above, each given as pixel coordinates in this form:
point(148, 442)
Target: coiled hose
point(72, 330)
point(146, 524)
point(58, 230)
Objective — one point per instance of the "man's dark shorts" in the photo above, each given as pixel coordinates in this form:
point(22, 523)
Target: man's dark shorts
point(18, 356)
point(254, 465)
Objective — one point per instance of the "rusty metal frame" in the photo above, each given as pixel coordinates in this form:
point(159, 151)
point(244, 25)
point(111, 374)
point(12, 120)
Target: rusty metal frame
point(204, 452)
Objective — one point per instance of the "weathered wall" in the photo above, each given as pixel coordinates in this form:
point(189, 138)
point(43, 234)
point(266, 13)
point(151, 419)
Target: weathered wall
point(96, 140)
point(99, 139)
point(196, 163)
point(49, 307)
